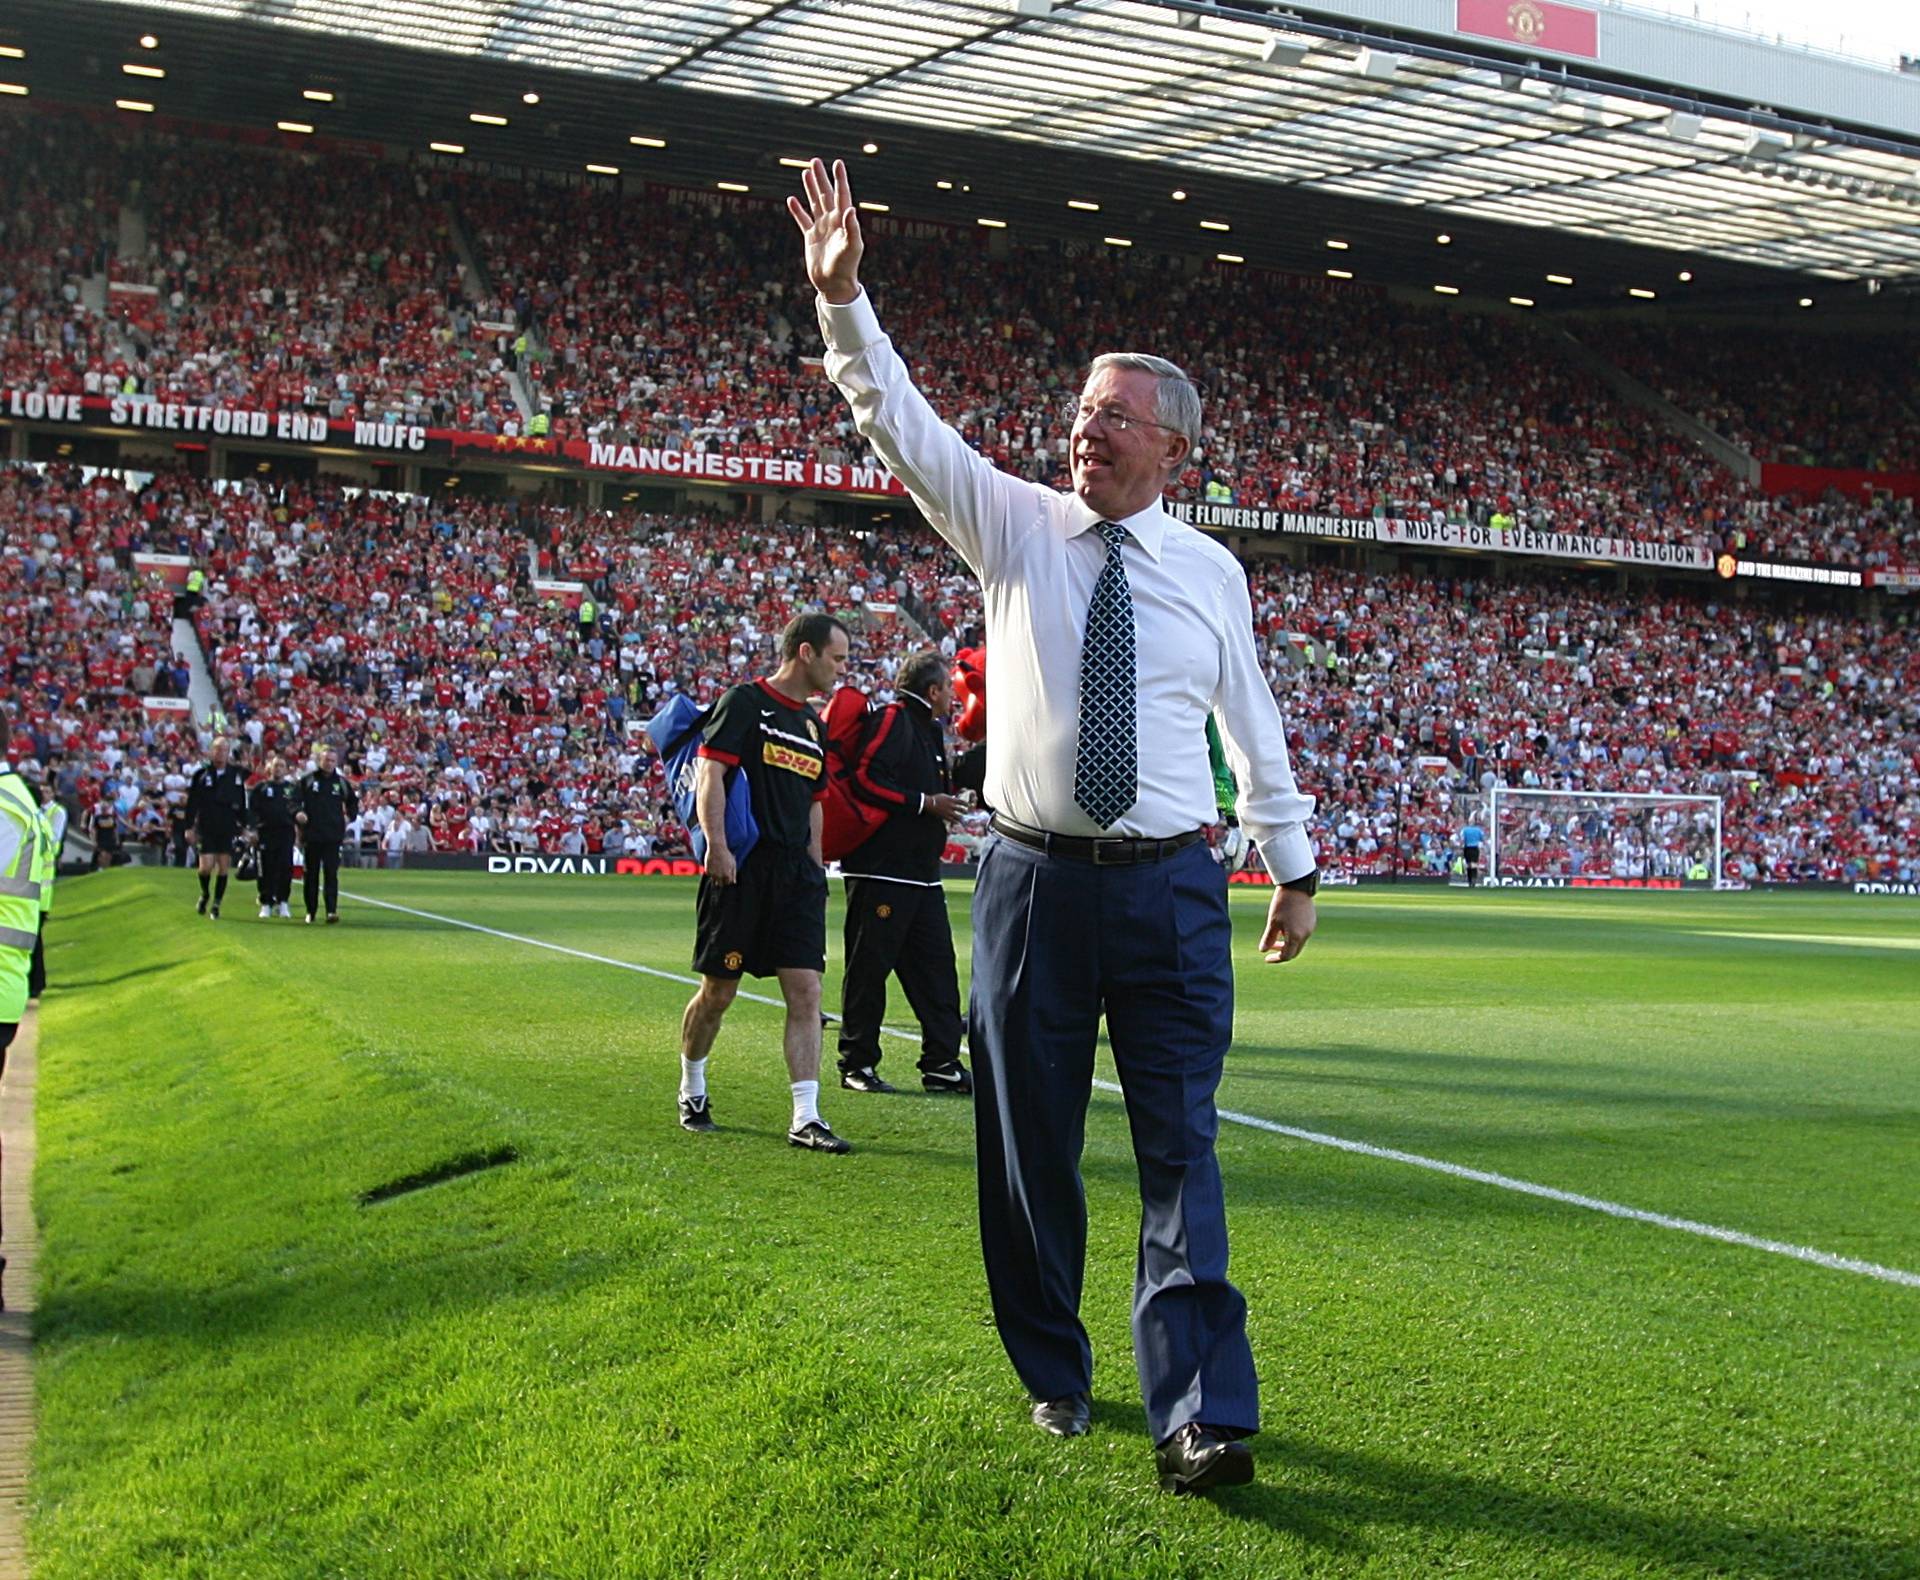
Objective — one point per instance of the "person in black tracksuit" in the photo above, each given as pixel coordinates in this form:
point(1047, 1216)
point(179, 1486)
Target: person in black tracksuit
point(324, 803)
point(271, 809)
point(896, 909)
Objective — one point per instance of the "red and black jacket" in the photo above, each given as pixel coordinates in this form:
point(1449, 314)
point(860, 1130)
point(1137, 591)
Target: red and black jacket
point(903, 759)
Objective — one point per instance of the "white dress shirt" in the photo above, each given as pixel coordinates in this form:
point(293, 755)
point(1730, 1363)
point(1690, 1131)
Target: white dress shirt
point(1037, 562)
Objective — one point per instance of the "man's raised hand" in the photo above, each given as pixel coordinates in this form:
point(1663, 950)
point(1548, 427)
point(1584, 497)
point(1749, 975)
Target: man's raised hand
point(830, 226)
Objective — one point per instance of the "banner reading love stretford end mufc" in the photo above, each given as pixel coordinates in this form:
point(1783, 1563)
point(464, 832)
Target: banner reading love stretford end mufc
point(1447, 535)
point(192, 424)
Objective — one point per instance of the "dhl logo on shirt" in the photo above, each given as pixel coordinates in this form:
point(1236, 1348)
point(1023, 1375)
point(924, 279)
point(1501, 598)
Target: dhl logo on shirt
point(774, 755)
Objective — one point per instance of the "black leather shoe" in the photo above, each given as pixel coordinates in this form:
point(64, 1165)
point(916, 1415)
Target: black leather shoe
point(1068, 1417)
point(866, 1080)
point(1199, 1458)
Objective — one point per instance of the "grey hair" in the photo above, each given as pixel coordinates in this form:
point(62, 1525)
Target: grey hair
point(922, 672)
point(1176, 400)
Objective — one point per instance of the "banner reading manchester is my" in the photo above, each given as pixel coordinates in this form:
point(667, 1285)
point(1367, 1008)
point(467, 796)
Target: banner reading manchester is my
point(1537, 24)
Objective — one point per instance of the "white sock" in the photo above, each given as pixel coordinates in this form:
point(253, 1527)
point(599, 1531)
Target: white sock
point(806, 1103)
point(693, 1077)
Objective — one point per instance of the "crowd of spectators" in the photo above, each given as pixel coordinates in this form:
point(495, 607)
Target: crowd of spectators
point(332, 281)
point(322, 281)
point(86, 647)
point(441, 646)
point(59, 211)
point(1845, 400)
point(678, 321)
point(1804, 721)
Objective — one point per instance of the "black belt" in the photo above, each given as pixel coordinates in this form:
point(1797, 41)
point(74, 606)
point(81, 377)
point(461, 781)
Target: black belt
point(1101, 852)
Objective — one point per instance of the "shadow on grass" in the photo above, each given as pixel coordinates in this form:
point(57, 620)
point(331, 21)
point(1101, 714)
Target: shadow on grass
point(1352, 1490)
point(155, 968)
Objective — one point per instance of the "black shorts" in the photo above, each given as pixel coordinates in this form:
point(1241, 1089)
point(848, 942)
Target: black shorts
point(216, 838)
point(772, 918)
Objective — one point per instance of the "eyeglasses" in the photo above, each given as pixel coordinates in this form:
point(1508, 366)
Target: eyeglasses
point(1111, 418)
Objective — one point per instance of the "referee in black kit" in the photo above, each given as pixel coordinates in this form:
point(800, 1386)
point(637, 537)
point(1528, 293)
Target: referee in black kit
point(896, 909)
point(766, 914)
point(217, 811)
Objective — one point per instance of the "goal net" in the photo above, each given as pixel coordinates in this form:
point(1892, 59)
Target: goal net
point(1602, 836)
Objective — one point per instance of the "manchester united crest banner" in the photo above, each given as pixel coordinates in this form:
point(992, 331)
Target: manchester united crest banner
point(1536, 24)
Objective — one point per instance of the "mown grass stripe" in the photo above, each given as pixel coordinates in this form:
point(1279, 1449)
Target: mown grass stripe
point(1802, 1253)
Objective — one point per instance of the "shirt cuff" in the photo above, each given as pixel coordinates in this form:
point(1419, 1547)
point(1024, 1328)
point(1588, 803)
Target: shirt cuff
point(850, 327)
point(1288, 855)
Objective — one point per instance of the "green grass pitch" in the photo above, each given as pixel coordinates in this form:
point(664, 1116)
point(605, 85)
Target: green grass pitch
point(631, 1351)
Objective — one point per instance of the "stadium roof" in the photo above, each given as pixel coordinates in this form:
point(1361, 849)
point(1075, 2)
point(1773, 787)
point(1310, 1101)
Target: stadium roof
point(1325, 103)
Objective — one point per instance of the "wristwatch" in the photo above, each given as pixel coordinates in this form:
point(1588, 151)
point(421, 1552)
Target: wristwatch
point(1307, 884)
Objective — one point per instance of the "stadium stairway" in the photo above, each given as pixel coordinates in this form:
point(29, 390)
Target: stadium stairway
point(481, 284)
point(1740, 462)
point(201, 691)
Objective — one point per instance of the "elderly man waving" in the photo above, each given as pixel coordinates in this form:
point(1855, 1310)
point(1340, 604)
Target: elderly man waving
point(1115, 632)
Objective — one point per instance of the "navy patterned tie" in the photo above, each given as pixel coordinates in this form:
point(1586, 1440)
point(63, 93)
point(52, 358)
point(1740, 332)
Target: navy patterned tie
point(1106, 766)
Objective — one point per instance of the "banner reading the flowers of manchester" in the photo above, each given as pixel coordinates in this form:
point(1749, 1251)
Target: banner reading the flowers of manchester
point(1448, 535)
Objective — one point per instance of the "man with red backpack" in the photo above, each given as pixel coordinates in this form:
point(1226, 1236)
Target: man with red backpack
point(896, 909)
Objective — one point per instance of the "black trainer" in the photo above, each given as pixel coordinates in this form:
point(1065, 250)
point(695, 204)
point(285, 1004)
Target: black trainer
point(951, 1077)
point(696, 1113)
point(215, 913)
point(816, 1137)
point(866, 1080)
point(201, 908)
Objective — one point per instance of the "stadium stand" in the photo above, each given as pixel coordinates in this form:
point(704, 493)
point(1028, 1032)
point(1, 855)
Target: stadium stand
point(85, 645)
point(323, 281)
point(1802, 719)
point(1336, 401)
point(330, 281)
point(1837, 400)
point(438, 642)
point(415, 634)
point(59, 204)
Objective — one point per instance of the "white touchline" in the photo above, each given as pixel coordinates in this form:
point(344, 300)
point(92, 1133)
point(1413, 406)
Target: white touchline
point(1829, 940)
point(1613, 1209)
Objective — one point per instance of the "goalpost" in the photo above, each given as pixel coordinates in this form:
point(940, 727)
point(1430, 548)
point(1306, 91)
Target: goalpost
point(1602, 834)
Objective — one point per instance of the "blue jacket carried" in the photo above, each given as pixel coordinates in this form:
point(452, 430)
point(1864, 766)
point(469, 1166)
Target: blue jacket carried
point(676, 732)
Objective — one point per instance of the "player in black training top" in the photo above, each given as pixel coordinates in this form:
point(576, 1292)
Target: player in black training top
point(217, 809)
point(766, 915)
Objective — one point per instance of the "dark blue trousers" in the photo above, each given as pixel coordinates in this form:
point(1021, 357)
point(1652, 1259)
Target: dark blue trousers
point(1056, 943)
